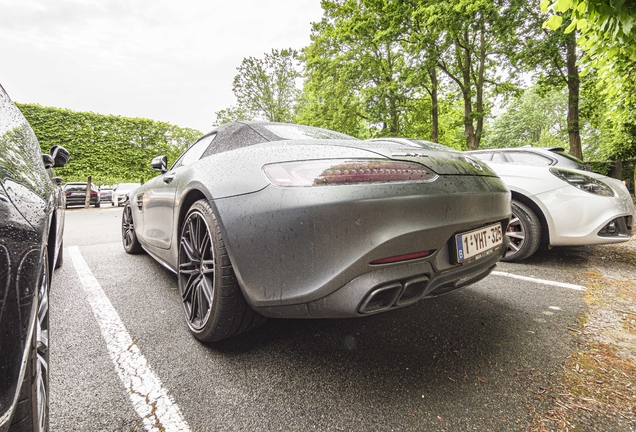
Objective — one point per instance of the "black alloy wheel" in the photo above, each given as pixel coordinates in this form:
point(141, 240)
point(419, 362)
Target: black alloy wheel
point(524, 233)
point(32, 410)
point(213, 303)
point(196, 270)
point(128, 235)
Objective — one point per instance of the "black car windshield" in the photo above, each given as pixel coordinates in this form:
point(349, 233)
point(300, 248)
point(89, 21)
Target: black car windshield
point(299, 132)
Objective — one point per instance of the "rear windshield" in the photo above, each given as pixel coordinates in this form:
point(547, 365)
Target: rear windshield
point(428, 145)
point(298, 132)
point(76, 187)
point(569, 156)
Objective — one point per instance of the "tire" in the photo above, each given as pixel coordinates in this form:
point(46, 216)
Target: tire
point(60, 256)
point(128, 235)
point(97, 205)
point(213, 303)
point(524, 233)
point(32, 410)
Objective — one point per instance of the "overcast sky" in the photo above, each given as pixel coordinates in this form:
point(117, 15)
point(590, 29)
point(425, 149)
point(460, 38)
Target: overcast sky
point(172, 61)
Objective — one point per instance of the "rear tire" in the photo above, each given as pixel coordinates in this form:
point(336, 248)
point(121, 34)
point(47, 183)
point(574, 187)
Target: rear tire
point(32, 410)
point(524, 233)
point(214, 305)
point(128, 234)
point(97, 205)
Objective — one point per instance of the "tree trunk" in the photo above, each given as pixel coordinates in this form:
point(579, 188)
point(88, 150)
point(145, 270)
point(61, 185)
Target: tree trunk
point(616, 171)
point(87, 199)
point(434, 107)
point(395, 117)
point(573, 98)
point(479, 103)
point(464, 67)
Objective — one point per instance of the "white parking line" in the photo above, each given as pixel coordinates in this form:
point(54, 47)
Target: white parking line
point(541, 281)
point(151, 401)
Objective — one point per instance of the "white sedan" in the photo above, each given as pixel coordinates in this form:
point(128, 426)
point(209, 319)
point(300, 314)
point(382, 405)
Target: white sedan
point(557, 206)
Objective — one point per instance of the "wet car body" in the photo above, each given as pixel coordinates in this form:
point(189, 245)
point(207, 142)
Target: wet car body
point(326, 247)
point(31, 227)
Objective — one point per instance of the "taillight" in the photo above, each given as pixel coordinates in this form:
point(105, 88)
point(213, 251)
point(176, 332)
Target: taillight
point(339, 171)
point(93, 193)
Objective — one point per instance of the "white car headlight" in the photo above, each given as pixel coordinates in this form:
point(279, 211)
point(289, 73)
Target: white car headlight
point(583, 182)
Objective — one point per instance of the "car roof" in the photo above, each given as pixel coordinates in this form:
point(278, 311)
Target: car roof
point(558, 155)
point(416, 143)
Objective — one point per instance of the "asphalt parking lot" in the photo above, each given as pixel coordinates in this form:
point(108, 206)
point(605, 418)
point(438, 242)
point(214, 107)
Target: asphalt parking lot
point(470, 360)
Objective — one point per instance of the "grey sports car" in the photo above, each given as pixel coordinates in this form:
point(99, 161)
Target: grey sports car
point(280, 220)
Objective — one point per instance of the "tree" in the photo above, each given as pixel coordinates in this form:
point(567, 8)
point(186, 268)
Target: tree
point(231, 114)
point(608, 41)
point(475, 40)
point(356, 67)
point(424, 46)
point(531, 119)
point(265, 88)
point(552, 56)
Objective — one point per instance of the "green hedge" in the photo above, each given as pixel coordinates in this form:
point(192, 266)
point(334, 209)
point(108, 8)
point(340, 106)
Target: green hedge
point(111, 149)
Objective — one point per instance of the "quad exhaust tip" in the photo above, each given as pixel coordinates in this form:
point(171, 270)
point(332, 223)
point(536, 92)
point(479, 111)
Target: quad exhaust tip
point(394, 294)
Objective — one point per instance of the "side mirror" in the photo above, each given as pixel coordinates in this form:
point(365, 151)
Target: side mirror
point(160, 163)
point(60, 156)
point(48, 161)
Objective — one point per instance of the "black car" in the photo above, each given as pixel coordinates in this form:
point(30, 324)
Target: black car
point(31, 227)
point(76, 194)
point(289, 221)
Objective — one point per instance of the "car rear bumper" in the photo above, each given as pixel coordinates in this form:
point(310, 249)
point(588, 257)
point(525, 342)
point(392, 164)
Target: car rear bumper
point(79, 201)
point(307, 252)
point(390, 288)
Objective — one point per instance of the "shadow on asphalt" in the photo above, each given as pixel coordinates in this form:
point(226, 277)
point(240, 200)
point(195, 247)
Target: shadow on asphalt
point(467, 336)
